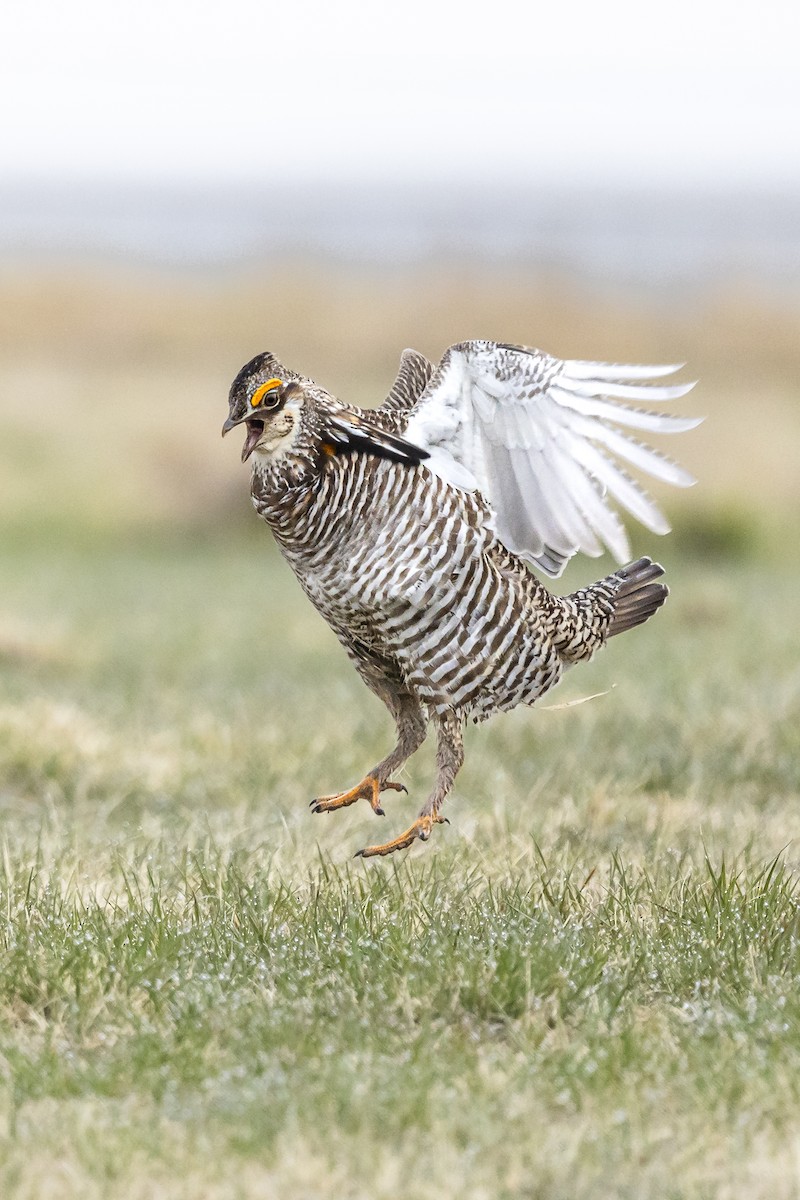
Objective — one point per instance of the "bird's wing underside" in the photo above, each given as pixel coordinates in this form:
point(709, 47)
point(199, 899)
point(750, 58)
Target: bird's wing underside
point(539, 438)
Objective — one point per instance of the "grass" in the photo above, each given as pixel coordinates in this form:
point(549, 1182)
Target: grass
point(586, 985)
point(401, 1030)
point(588, 981)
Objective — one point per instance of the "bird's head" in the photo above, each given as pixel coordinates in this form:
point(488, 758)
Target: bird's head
point(269, 400)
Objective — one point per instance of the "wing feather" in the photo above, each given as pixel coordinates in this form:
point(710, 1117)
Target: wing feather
point(351, 431)
point(634, 418)
point(624, 490)
point(540, 439)
point(578, 369)
point(653, 462)
point(623, 391)
point(602, 520)
point(412, 377)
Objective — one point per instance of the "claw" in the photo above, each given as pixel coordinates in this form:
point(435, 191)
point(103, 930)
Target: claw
point(369, 789)
point(421, 829)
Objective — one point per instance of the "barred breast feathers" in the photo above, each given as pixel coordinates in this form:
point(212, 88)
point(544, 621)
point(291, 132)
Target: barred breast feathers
point(406, 564)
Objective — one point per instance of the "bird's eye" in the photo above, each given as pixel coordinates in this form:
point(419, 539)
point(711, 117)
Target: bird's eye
point(268, 395)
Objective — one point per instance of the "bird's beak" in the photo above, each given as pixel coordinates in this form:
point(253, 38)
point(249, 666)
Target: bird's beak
point(231, 423)
point(255, 428)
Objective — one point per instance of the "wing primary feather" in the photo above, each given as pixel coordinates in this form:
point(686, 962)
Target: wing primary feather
point(602, 519)
point(537, 480)
point(653, 462)
point(628, 493)
point(635, 418)
point(577, 368)
point(575, 534)
point(623, 391)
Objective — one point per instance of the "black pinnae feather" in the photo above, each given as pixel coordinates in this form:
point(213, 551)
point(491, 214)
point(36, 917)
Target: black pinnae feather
point(356, 433)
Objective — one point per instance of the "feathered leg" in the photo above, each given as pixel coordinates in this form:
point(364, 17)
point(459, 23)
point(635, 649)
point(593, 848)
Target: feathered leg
point(449, 759)
point(411, 733)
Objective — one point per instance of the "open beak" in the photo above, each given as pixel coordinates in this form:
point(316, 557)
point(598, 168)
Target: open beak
point(255, 428)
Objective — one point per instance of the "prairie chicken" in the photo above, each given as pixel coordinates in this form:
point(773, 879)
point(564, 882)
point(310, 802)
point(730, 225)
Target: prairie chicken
point(411, 528)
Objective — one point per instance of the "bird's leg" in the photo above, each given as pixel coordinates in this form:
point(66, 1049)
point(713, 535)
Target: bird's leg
point(410, 736)
point(449, 758)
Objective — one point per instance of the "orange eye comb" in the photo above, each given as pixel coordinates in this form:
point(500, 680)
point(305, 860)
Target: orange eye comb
point(270, 386)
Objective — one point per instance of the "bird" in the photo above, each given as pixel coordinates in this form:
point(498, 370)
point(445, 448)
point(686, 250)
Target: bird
point(419, 529)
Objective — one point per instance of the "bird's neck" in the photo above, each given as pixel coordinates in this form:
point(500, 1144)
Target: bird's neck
point(283, 491)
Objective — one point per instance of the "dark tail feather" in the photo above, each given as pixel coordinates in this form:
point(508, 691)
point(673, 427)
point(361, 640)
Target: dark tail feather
point(637, 597)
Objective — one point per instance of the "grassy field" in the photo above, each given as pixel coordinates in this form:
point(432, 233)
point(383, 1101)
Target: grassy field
point(586, 985)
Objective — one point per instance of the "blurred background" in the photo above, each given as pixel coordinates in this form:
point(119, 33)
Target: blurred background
point(183, 189)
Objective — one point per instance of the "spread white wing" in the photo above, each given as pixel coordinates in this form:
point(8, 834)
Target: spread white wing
point(539, 438)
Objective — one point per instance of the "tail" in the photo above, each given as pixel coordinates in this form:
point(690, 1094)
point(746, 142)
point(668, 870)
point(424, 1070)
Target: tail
point(635, 597)
point(585, 620)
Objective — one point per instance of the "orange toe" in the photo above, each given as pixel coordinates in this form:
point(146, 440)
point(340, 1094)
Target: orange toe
point(421, 829)
point(369, 789)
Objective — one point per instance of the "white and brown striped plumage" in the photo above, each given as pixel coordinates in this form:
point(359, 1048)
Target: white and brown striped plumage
point(410, 528)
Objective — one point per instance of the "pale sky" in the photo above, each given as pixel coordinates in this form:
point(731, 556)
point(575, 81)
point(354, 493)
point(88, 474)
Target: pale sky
point(612, 91)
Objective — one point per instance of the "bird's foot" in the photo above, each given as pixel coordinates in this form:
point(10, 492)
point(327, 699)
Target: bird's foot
point(420, 829)
point(369, 789)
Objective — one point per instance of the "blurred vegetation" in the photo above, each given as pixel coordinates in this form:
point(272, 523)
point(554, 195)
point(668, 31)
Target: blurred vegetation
point(721, 533)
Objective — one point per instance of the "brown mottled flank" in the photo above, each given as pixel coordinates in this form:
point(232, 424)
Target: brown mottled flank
point(440, 618)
